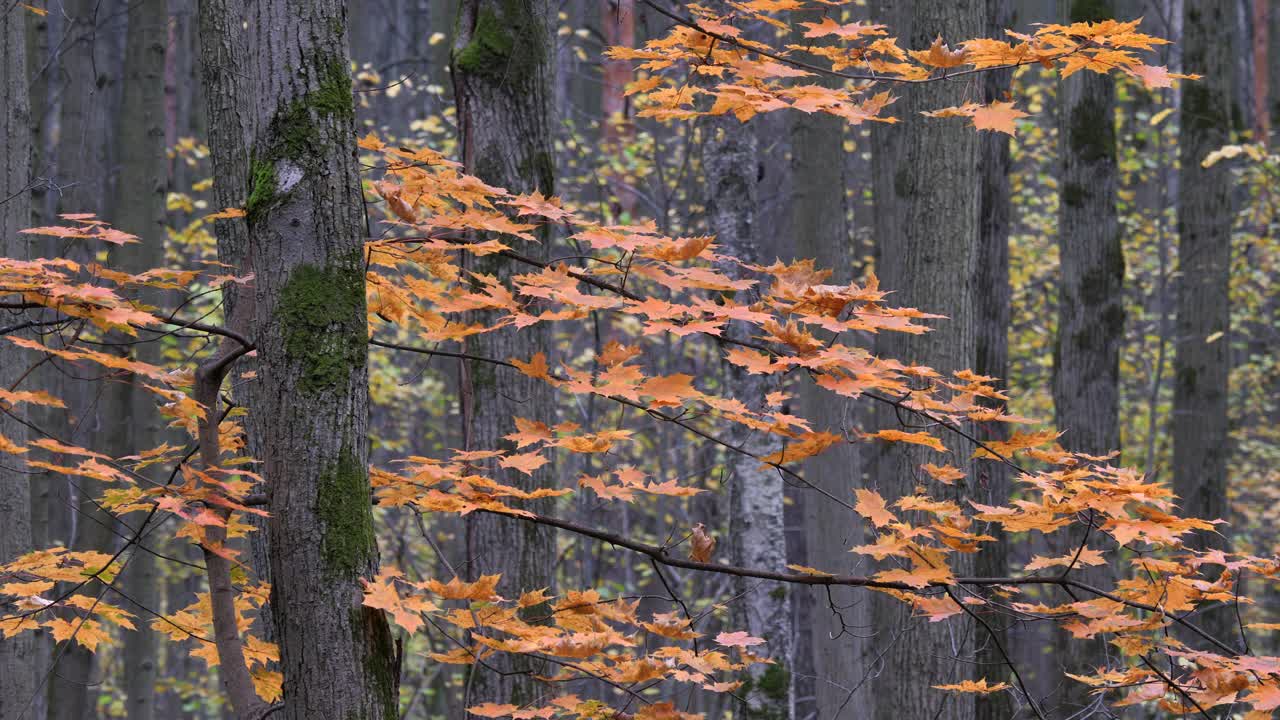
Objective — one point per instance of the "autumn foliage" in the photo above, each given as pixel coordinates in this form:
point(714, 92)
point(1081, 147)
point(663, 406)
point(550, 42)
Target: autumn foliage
point(784, 320)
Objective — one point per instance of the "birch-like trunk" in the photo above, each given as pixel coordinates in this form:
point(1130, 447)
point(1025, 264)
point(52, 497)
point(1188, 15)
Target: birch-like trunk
point(927, 198)
point(502, 72)
point(757, 533)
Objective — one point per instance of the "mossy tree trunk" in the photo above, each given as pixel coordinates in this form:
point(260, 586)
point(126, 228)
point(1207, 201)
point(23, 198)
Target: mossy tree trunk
point(17, 654)
point(502, 68)
point(1202, 363)
point(927, 197)
point(309, 409)
point(1091, 316)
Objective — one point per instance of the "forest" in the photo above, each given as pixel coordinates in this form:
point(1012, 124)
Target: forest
point(639, 359)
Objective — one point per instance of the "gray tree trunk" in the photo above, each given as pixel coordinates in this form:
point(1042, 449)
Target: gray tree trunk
point(927, 216)
point(819, 230)
point(90, 74)
point(1091, 316)
point(309, 411)
point(17, 654)
point(502, 68)
point(991, 309)
point(757, 537)
point(1201, 364)
point(139, 208)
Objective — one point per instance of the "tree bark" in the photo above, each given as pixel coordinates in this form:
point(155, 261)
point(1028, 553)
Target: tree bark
point(309, 410)
point(1091, 315)
point(1201, 364)
point(927, 215)
point(17, 653)
point(502, 68)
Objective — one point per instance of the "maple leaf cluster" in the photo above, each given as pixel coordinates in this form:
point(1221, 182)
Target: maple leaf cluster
point(711, 64)
point(778, 319)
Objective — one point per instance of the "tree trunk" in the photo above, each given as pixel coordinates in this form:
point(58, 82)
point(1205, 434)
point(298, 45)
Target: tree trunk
point(502, 73)
point(17, 653)
point(1201, 363)
point(90, 73)
point(819, 230)
point(225, 77)
point(991, 309)
point(309, 409)
point(927, 215)
point(139, 208)
point(757, 536)
point(1091, 316)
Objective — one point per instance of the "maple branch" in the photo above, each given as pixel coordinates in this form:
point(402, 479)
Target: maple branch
point(1169, 681)
point(583, 277)
point(659, 553)
point(222, 593)
point(995, 639)
point(656, 414)
point(181, 324)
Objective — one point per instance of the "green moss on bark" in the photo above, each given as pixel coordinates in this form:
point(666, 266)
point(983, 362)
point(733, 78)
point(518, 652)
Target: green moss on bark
point(489, 52)
point(1091, 11)
point(333, 97)
point(296, 132)
point(262, 188)
point(767, 694)
point(343, 505)
point(381, 666)
point(506, 43)
point(321, 313)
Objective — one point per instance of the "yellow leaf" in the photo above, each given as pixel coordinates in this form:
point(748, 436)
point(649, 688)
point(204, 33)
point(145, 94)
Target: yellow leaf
point(871, 506)
point(915, 438)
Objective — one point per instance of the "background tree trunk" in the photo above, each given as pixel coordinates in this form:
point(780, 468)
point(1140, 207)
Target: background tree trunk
point(991, 311)
point(310, 407)
point(927, 216)
point(139, 208)
point(17, 654)
point(819, 230)
point(90, 71)
point(502, 62)
point(1091, 316)
point(1201, 363)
